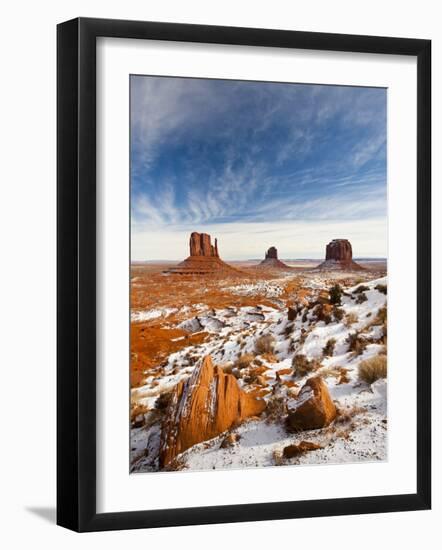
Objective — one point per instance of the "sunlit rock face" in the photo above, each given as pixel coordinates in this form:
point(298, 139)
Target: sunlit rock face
point(202, 407)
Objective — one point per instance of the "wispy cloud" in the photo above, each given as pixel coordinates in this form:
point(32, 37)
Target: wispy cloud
point(222, 153)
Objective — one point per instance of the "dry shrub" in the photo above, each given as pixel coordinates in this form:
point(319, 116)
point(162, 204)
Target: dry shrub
point(177, 464)
point(292, 344)
point(254, 378)
point(322, 313)
point(330, 371)
point(338, 313)
point(373, 369)
point(329, 347)
point(137, 417)
point(361, 298)
point(265, 344)
point(163, 400)
point(227, 368)
point(276, 407)
point(361, 288)
point(381, 288)
point(244, 360)
point(336, 294)
point(288, 329)
point(345, 416)
point(303, 336)
point(356, 343)
point(270, 357)
point(350, 319)
point(230, 440)
point(340, 373)
point(278, 458)
point(302, 366)
point(381, 316)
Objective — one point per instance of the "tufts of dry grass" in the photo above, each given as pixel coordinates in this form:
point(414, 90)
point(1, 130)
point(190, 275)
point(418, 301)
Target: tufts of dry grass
point(381, 288)
point(329, 348)
point(381, 316)
point(163, 400)
point(276, 408)
point(350, 319)
point(227, 368)
point(361, 288)
point(361, 298)
point(302, 366)
point(336, 294)
point(244, 360)
point(373, 369)
point(338, 313)
point(356, 343)
point(345, 416)
point(265, 344)
point(269, 357)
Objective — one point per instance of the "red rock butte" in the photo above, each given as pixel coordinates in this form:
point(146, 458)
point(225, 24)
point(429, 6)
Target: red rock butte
point(204, 258)
point(339, 255)
point(271, 260)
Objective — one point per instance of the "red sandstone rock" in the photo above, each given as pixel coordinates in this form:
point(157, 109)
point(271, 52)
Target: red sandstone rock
point(339, 250)
point(313, 408)
point(200, 245)
point(299, 448)
point(339, 255)
point(202, 407)
point(204, 258)
point(271, 260)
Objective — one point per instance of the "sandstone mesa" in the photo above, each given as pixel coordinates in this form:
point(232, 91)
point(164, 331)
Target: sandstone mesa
point(271, 260)
point(203, 259)
point(339, 255)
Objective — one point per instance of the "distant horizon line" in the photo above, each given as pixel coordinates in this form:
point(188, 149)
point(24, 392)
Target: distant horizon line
point(360, 258)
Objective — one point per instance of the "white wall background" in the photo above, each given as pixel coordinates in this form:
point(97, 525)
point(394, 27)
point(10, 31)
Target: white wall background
point(27, 299)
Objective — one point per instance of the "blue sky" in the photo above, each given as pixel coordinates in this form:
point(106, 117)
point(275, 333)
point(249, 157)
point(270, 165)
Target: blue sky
point(256, 164)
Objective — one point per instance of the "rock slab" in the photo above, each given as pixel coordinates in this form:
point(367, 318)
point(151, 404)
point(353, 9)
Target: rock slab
point(202, 407)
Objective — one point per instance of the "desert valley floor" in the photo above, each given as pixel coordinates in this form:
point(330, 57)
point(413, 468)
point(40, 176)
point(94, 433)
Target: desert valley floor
point(272, 330)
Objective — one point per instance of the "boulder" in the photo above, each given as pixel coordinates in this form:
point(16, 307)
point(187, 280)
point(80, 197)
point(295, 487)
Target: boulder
point(299, 449)
point(313, 408)
point(202, 407)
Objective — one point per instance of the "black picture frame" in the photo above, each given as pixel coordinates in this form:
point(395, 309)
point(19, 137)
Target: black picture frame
point(76, 274)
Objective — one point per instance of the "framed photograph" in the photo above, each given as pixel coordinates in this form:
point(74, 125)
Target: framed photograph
point(243, 274)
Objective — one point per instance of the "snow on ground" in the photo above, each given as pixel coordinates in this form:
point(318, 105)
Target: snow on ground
point(149, 314)
point(264, 288)
point(232, 332)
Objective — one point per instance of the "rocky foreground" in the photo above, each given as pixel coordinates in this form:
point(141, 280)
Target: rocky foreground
point(259, 372)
